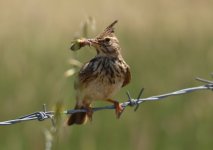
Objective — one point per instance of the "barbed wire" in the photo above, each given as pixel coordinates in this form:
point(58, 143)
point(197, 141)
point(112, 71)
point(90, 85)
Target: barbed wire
point(43, 115)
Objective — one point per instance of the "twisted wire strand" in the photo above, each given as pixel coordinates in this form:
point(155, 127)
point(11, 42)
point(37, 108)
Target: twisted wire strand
point(43, 115)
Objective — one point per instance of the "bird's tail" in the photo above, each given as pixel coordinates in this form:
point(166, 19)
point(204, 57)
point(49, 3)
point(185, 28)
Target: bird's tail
point(77, 118)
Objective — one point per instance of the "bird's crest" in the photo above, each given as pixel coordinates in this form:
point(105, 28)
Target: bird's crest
point(109, 31)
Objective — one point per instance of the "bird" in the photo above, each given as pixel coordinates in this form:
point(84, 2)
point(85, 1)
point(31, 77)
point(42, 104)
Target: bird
point(101, 77)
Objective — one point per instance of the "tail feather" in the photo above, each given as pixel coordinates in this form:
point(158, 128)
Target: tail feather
point(77, 118)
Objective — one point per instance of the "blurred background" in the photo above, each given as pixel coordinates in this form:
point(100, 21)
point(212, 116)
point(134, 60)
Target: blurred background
point(166, 43)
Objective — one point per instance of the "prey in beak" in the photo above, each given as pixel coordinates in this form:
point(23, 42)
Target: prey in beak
point(79, 43)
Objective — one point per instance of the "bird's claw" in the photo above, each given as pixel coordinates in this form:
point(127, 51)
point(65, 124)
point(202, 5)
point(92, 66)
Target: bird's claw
point(89, 113)
point(118, 109)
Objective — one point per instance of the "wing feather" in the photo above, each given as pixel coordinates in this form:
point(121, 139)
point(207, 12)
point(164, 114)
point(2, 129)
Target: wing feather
point(127, 78)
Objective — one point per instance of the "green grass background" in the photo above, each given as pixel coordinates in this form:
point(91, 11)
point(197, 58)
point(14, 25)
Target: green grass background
point(166, 43)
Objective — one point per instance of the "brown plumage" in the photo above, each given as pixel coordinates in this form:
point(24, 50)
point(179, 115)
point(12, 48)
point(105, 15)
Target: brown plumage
point(102, 77)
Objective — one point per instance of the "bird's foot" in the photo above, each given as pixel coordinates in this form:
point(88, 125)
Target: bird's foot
point(118, 108)
point(89, 113)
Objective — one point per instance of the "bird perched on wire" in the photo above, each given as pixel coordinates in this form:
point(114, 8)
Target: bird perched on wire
point(102, 77)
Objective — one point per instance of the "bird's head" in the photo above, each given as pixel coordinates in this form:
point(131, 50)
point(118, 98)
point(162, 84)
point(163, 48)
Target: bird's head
point(106, 43)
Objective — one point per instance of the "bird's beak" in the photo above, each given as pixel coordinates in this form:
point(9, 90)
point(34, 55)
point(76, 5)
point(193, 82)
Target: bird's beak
point(92, 42)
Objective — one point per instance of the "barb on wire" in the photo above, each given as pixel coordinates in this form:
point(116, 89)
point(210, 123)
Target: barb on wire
point(43, 115)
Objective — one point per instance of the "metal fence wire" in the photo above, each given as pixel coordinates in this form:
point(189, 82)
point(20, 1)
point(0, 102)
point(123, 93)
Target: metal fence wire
point(44, 114)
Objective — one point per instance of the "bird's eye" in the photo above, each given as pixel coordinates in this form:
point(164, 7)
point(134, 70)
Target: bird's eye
point(107, 39)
